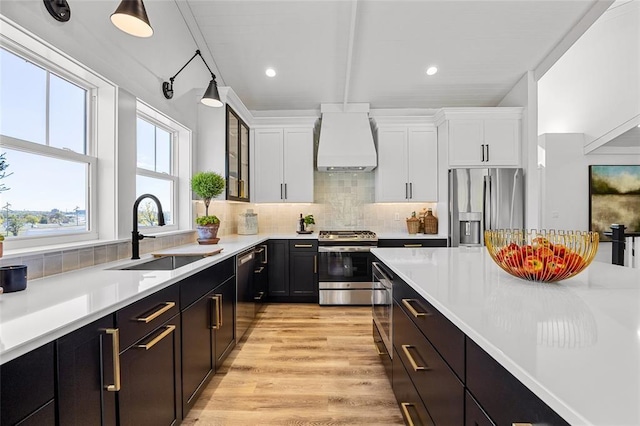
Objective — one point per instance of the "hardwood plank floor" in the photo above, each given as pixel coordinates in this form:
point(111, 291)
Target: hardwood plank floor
point(301, 364)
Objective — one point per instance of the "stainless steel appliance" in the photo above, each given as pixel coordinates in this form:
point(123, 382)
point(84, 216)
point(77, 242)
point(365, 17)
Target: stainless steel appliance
point(481, 199)
point(382, 304)
point(344, 267)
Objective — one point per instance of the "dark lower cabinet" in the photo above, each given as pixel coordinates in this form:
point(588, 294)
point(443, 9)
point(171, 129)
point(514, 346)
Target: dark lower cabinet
point(413, 242)
point(85, 370)
point(385, 357)
point(224, 334)
point(27, 389)
point(293, 270)
point(150, 373)
point(474, 414)
point(413, 410)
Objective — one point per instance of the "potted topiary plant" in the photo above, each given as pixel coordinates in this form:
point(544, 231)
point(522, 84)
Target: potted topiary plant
point(309, 221)
point(207, 185)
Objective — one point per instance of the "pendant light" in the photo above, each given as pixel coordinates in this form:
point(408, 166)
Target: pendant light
point(211, 96)
point(131, 17)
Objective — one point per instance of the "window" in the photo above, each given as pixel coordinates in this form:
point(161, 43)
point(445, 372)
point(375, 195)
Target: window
point(47, 154)
point(156, 171)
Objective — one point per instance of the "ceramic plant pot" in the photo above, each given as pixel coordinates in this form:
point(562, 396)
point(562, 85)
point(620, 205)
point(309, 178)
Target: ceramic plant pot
point(208, 234)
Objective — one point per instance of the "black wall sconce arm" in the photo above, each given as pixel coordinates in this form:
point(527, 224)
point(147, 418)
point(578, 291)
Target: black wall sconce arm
point(167, 86)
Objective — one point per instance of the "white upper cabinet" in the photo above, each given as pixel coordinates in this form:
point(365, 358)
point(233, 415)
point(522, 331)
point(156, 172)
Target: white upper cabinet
point(481, 137)
point(407, 164)
point(283, 165)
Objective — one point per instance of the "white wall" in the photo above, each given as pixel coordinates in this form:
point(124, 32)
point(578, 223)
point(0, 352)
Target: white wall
point(524, 94)
point(565, 179)
point(595, 87)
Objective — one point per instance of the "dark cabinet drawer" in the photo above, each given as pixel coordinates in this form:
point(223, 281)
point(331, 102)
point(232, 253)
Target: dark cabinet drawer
point(503, 397)
point(45, 416)
point(416, 243)
point(194, 287)
point(410, 403)
point(303, 245)
point(141, 318)
point(442, 333)
point(26, 385)
point(474, 414)
point(385, 356)
point(440, 389)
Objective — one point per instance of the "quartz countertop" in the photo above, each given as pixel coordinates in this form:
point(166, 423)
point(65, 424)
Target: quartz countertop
point(53, 306)
point(574, 343)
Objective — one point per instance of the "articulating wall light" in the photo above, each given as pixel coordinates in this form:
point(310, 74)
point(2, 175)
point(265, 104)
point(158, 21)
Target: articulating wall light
point(131, 17)
point(211, 96)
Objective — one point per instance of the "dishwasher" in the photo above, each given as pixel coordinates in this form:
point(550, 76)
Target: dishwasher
point(246, 304)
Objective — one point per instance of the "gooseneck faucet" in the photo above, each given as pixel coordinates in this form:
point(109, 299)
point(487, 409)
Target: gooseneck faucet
point(135, 235)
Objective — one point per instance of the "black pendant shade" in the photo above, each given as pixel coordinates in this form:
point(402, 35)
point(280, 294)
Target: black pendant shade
point(131, 17)
point(211, 96)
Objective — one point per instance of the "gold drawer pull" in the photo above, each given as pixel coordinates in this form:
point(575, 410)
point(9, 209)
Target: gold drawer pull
point(405, 410)
point(378, 349)
point(411, 309)
point(413, 362)
point(115, 336)
point(259, 270)
point(168, 330)
point(413, 245)
point(156, 314)
point(217, 300)
point(303, 245)
point(521, 424)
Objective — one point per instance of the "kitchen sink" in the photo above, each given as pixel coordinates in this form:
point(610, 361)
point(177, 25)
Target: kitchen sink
point(165, 263)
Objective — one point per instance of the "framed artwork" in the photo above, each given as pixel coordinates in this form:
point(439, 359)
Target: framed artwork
point(614, 197)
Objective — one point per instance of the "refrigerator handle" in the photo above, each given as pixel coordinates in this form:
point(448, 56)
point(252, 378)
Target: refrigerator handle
point(486, 204)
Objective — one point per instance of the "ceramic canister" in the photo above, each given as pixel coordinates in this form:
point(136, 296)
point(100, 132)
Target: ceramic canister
point(13, 278)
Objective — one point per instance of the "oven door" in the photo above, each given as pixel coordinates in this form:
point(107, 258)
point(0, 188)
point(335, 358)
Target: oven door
point(344, 264)
point(382, 304)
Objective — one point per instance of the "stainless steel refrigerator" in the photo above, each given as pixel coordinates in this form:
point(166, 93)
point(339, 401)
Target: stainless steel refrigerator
point(481, 199)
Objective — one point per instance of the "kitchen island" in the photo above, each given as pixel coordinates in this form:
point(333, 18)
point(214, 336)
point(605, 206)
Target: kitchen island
point(575, 344)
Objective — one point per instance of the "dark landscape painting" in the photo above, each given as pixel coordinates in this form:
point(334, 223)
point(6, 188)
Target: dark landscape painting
point(614, 197)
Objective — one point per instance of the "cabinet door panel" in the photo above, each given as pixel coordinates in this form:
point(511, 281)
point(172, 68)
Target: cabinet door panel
point(268, 166)
point(474, 414)
point(465, 142)
point(197, 357)
point(303, 273)
point(423, 165)
point(150, 379)
point(391, 173)
point(225, 335)
point(298, 165)
point(45, 416)
point(85, 368)
point(278, 268)
point(503, 140)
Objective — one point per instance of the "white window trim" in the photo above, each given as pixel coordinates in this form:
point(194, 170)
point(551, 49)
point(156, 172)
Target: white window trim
point(101, 134)
point(180, 166)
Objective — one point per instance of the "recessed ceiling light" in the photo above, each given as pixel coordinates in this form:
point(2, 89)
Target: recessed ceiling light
point(432, 70)
point(270, 72)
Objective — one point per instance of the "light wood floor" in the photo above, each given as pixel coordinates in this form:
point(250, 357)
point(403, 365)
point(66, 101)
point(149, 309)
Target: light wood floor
point(301, 364)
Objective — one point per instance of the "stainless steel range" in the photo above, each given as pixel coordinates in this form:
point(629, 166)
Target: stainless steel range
point(344, 267)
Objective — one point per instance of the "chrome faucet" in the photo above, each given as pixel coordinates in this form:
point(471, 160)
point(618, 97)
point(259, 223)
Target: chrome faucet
point(135, 235)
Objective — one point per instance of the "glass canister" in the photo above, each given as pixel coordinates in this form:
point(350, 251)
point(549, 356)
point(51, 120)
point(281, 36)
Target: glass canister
point(248, 223)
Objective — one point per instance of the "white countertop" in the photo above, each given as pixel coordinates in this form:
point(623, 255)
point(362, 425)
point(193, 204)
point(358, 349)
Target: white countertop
point(575, 343)
point(53, 306)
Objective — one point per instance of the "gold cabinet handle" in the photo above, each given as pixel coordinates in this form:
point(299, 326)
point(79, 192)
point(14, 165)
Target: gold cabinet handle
point(156, 314)
point(378, 350)
point(115, 336)
point(266, 254)
point(303, 245)
point(259, 270)
point(168, 329)
point(217, 300)
point(405, 410)
point(413, 362)
point(521, 424)
point(413, 245)
point(407, 304)
point(315, 264)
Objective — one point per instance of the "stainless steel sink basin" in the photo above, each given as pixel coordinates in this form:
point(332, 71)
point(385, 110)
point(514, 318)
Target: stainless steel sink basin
point(165, 263)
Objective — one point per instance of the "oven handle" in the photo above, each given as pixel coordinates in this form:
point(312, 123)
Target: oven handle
point(381, 273)
point(342, 249)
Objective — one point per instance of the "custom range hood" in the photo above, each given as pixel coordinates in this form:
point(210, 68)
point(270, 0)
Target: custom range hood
point(346, 141)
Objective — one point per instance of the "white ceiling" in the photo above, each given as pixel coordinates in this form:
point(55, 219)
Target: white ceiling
point(377, 51)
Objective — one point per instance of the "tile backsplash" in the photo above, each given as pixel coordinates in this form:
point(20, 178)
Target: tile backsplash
point(342, 201)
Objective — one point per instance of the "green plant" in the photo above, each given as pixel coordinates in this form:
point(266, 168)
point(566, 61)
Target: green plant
point(207, 185)
point(308, 220)
point(207, 220)
point(3, 166)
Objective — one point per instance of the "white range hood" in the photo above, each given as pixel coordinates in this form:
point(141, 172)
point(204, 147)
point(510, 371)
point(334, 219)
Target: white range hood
point(346, 141)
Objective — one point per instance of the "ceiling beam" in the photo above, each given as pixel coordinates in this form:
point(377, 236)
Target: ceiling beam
point(352, 31)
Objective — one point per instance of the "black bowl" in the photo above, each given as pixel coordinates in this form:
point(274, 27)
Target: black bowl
point(13, 278)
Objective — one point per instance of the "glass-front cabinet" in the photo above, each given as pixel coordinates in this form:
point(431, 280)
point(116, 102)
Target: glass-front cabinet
point(237, 157)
